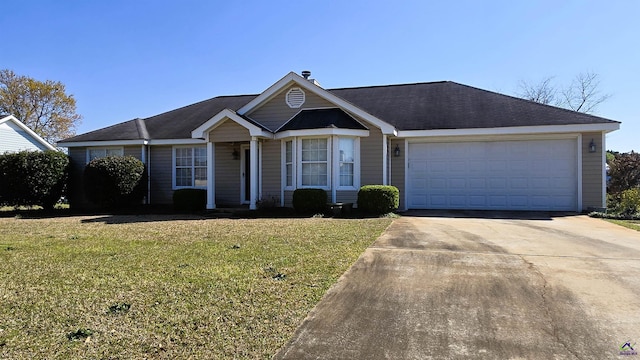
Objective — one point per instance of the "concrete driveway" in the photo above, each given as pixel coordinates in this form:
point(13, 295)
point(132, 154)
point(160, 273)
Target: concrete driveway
point(482, 285)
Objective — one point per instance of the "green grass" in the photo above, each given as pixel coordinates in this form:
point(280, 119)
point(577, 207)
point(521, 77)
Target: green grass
point(631, 224)
point(153, 286)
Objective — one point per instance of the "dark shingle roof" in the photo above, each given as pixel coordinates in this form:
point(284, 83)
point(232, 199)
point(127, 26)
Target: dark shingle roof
point(421, 106)
point(449, 105)
point(174, 124)
point(322, 118)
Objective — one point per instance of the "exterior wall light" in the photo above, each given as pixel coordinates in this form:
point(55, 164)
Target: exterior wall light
point(235, 154)
point(592, 146)
point(396, 151)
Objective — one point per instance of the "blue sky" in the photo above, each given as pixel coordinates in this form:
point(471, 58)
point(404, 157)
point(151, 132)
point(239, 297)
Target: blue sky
point(128, 59)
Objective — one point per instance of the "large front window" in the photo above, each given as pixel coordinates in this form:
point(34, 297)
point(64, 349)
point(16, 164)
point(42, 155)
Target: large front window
point(314, 162)
point(322, 162)
point(190, 167)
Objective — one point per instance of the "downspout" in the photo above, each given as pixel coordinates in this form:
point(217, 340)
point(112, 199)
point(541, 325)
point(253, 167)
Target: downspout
point(145, 160)
point(149, 176)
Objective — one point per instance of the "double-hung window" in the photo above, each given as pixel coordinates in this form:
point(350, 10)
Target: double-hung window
point(190, 167)
point(346, 161)
point(314, 163)
point(288, 164)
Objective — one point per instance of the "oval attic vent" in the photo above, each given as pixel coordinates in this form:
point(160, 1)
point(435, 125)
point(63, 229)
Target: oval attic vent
point(295, 98)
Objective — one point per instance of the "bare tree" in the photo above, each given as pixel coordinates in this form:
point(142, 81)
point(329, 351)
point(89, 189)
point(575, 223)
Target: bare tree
point(542, 92)
point(582, 95)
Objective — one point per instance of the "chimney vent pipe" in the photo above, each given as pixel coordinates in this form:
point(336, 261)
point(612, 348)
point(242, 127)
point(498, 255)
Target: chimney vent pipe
point(306, 74)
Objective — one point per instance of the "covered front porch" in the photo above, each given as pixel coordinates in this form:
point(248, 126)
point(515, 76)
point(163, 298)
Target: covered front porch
point(234, 161)
point(233, 173)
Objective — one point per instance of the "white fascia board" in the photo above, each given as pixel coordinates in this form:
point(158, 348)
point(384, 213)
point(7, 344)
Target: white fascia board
point(292, 78)
point(29, 132)
point(177, 142)
point(219, 118)
point(607, 127)
point(322, 132)
point(102, 143)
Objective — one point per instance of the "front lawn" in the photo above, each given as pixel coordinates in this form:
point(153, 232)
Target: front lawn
point(631, 224)
point(153, 286)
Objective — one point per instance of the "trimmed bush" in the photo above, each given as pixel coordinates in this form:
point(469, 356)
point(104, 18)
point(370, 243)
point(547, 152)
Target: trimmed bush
point(115, 181)
point(190, 200)
point(309, 201)
point(378, 199)
point(33, 178)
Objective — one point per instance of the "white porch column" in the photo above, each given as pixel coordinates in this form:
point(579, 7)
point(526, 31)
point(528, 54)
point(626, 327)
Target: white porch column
point(253, 151)
point(385, 160)
point(211, 180)
point(334, 165)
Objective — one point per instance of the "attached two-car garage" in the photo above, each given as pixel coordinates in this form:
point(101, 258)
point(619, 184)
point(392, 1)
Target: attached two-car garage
point(493, 175)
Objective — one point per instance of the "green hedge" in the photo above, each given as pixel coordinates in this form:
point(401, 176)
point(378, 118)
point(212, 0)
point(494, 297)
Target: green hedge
point(378, 199)
point(33, 178)
point(309, 201)
point(115, 181)
point(190, 200)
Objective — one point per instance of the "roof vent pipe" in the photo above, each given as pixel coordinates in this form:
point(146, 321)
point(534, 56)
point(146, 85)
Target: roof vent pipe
point(306, 74)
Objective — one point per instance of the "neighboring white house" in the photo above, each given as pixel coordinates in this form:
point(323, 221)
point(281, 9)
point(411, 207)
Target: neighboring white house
point(16, 136)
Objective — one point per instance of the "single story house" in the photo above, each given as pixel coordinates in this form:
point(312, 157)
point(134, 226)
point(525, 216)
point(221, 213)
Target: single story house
point(16, 136)
point(444, 145)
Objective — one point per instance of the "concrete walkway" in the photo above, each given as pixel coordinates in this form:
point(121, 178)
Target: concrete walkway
point(453, 286)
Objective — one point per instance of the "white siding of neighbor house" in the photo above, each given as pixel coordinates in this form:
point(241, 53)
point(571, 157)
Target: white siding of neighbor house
point(276, 112)
point(14, 139)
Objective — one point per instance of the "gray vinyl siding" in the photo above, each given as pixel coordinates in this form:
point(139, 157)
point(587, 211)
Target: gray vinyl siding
point(227, 175)
point(160, 174)
point(371, 157)
point(271, 170)
point(347, 196)
point(276, 112)
point(397, 169)
point(135, 151)
point(288, 198)
point(229, 131)
point(592, 171)
point(14, 139)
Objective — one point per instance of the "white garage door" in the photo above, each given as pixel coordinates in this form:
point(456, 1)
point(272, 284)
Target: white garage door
point(493, 175)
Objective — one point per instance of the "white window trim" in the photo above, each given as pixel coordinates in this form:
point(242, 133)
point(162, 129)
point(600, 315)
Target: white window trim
point(356, 163)
point(88, 159)
point(193, 174)
point(293, 164)
point(333, 164)
point(299, 163)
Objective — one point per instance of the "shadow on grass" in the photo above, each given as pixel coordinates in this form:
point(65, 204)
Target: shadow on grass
point(143, 214)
